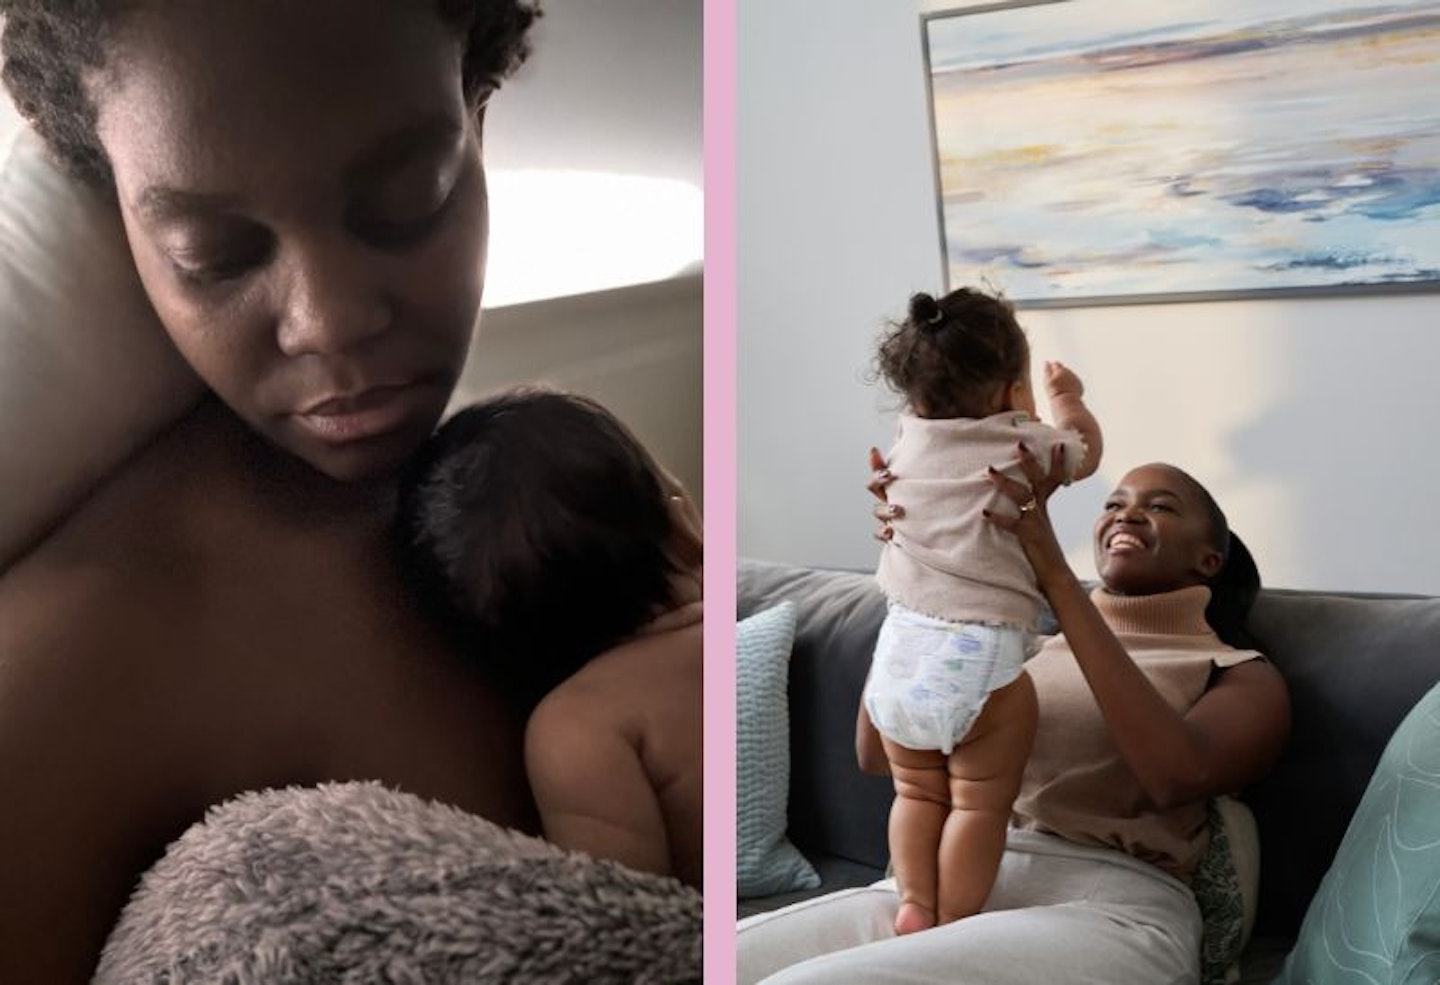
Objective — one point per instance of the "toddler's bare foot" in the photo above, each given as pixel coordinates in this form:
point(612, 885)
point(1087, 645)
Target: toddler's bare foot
point(913, 918)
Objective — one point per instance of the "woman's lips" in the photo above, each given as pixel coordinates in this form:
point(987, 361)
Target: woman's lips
point(368, 414)
point(1122, 542)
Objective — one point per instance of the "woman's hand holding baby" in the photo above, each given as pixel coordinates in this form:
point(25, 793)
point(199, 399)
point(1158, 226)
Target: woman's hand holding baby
point(1031, 526)
point(880, 477)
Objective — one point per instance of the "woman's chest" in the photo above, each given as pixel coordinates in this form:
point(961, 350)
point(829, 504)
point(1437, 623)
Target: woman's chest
point(314, 665)
point(1070, 718)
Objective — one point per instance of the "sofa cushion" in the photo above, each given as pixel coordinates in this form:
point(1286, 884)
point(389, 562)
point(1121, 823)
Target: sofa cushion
point(1226, 883)
point(835, 810)
point(87, 374)
point(1354, 665)
point(765, 862)
point(1376, 917)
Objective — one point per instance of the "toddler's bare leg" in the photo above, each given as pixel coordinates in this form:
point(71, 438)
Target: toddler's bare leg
point(917, 815)
point(984, 772)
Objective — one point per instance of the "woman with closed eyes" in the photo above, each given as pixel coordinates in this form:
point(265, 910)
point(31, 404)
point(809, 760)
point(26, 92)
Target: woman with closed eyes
point(303, 192)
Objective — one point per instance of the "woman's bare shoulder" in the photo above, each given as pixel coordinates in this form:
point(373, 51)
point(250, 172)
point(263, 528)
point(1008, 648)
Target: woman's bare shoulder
point(136, 513)
point(90, 583)
point(86, 615)
point(95, 786)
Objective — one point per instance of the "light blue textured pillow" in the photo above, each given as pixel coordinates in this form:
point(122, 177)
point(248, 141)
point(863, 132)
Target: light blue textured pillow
point(1376, 916)
point(765, 862)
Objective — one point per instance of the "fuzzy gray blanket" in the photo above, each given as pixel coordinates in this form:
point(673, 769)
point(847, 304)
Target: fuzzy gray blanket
point(355, 883)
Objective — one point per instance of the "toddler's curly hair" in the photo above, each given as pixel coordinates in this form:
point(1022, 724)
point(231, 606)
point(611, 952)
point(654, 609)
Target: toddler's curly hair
point(949, 352)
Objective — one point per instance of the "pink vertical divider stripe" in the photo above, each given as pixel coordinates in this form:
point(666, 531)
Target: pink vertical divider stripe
point(719, 354)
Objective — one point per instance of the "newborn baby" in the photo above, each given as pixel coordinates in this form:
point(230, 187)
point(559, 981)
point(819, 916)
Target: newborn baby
point(570, 563)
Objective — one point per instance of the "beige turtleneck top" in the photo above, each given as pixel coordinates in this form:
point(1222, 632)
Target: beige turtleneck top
point(1076, 785)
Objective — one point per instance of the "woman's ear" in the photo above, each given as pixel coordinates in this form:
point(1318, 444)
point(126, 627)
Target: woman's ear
point(1210, 562)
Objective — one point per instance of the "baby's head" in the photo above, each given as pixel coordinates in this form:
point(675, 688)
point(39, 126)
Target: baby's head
point(963, 355)
point(544, 524)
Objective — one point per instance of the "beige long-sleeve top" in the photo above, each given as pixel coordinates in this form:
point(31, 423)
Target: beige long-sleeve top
point(945, 559)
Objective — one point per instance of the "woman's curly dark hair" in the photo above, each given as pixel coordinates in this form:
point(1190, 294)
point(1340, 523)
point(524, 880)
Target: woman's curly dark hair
point(948, 352)
point(49, 45)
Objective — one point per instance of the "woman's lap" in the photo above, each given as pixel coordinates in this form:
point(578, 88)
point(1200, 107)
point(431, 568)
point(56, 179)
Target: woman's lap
point(1059, 912)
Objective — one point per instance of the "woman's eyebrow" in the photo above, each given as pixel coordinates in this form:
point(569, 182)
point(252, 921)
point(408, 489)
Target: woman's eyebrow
point(158, 202)
point(1144, 494)
point(426, 136)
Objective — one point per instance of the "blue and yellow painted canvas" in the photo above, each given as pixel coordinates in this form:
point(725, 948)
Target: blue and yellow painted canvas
point(1105, 151)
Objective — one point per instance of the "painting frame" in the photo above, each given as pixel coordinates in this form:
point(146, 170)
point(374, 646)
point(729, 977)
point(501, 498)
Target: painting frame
point(1289, 253)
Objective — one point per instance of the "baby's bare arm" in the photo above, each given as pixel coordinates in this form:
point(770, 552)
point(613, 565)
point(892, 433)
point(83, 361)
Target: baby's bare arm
point(590, 783)
point(1067, 407)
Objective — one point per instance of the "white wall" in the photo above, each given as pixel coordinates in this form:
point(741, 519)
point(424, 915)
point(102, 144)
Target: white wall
point(1307, 418)
point(637, 350)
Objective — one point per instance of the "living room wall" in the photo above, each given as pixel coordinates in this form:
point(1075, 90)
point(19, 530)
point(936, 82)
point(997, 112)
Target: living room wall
point(1306, 418)
point(637, 350)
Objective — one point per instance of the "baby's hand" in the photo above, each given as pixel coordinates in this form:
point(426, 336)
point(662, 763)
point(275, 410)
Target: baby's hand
point(1060, 380)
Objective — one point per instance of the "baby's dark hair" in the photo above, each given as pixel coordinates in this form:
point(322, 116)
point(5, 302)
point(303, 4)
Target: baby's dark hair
point(1234, 587)
point(947, 355)
point(49, 45)
point(540, 520)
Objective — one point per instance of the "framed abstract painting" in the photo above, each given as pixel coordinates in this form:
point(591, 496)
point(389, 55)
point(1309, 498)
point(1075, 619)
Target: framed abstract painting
point(1118, 151)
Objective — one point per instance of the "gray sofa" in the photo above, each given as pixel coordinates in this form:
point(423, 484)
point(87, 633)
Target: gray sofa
point(1355, 664)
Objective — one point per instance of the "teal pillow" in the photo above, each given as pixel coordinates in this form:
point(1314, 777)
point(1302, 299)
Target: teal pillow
point(765, 862)
point(1376, 917)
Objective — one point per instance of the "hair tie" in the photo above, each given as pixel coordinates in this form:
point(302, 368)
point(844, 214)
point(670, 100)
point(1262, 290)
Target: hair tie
point(926, 313)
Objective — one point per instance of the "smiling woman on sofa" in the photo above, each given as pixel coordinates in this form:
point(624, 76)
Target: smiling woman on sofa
point(1145, 715)
point(304, 197)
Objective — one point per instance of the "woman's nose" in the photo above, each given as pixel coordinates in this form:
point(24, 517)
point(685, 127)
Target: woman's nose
point(332, 301)
point(1130, 513)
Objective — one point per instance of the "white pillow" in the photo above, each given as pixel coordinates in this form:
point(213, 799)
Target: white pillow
point(87, 374)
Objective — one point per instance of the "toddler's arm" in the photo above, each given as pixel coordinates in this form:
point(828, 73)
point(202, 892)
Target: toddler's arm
point(590, 785)
point(1067, 408)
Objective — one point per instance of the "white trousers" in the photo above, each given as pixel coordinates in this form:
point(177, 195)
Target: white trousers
point(1059, 913)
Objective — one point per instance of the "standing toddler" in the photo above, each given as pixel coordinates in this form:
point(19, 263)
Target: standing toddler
point(947, 688)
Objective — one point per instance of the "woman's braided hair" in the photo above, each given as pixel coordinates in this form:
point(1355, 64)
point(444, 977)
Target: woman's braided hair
point(49, 46)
